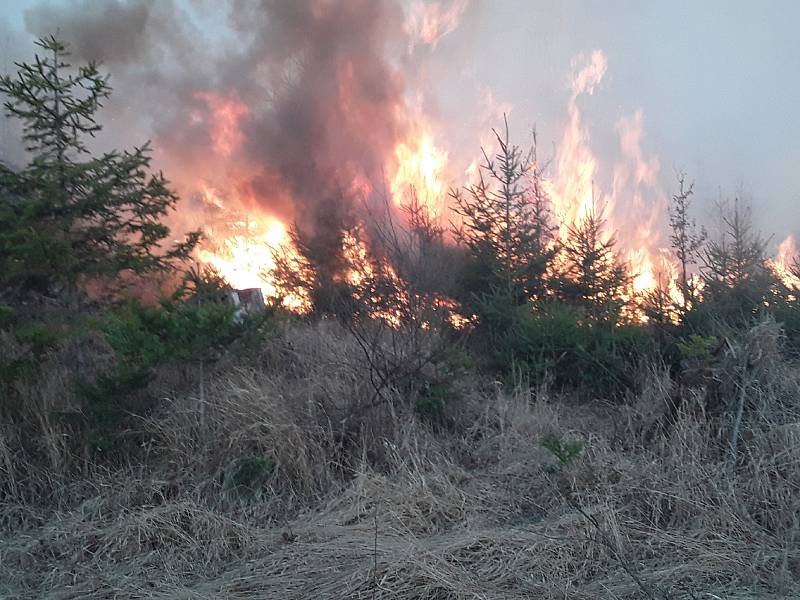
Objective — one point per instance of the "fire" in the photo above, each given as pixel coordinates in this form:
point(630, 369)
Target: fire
point(572, 191)
point(246, 258)
point(642, 267)
point(241, 259)
point(366, 274)
point(630, 199)
point(420, 167)
point(224, 130)
point(788, 252)
point(633, 204)
point(429, 22)
point(355, 253)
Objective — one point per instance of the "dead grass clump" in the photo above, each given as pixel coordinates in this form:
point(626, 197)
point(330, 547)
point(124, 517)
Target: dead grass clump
point(722, 525)
point(505, 422)
point(417, 496)
point(281, 480)
point(40, 445)
point(180, 536)
point(297, 420)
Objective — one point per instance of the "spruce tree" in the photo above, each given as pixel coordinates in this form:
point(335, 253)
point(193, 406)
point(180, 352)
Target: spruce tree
point(738, 282)
point(592, 277)
point(69, 218)
point(505, 224)
point(686, 239)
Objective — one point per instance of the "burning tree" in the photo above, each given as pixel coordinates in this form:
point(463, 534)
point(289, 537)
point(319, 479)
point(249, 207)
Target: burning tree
point(315, 265)
point(422, 267)
point(69, 218)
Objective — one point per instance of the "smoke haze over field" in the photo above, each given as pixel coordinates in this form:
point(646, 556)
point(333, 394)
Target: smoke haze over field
point(298, 103)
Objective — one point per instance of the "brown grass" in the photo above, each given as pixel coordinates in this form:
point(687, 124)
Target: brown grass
point(385, 507)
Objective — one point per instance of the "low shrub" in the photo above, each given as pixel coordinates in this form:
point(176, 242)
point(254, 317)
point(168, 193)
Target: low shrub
point(250, 472)
point(556, 343)
point(147, 340)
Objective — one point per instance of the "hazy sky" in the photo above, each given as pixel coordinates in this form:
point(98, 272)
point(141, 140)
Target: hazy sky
point(718, 82)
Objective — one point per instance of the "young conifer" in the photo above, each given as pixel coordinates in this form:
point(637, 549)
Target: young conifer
point(68, 217)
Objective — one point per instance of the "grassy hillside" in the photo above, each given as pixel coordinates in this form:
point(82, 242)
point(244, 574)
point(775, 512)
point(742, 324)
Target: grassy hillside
point(281, 482)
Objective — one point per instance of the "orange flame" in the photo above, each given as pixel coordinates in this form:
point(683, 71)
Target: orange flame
point(246, 259)
point(226, 113)
point(420, 167)
point(572, 192)
point(429, 22)
point(787, 253)
point(634, 204)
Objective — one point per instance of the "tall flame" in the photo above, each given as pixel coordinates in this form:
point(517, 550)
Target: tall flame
point(631, 201)
point(634, 205)
point(420, 167)
point(784, 260)
point(572, 192)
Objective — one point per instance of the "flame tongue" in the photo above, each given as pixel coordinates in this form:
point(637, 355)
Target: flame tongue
point(420, 167)
point(633, 204)
point(787, 253)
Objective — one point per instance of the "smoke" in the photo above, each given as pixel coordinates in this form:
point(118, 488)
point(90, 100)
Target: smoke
point(338, 114)
point(299, 109)
point(111, 32)
point(295, 108)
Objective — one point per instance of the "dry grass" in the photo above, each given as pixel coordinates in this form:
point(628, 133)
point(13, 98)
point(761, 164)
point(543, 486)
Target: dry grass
point(384, 507)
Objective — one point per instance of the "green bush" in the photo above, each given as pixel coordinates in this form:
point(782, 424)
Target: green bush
point(565, 452)
point(148, 338)
point(698, 349)
point(39, 337)
point(7, 315)
point(250, 472)
point(22, 349)
point(788, 315)
point(433, 399)
point(558, 343)
point(436, 396)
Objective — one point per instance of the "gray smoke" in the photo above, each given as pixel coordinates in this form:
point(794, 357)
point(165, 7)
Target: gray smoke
point(111, 32)
point(322, 100)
